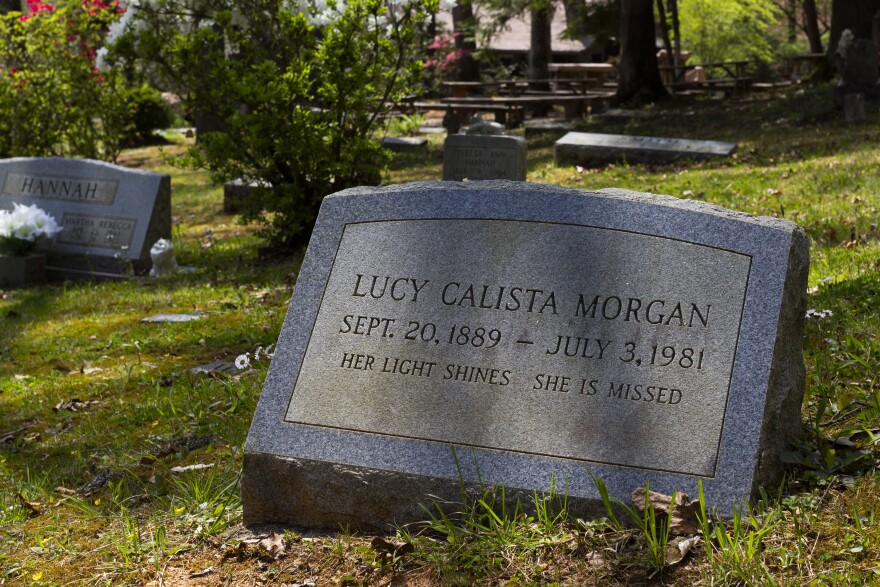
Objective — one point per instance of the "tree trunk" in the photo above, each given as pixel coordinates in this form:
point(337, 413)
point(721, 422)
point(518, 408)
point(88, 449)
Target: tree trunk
point(541, 47)
point(575, 19)
point(664, 27)
point(639, 73)
point(791, 19)
point(464, 26)
point(855, 15)
point(811, 26)
point(676, 39)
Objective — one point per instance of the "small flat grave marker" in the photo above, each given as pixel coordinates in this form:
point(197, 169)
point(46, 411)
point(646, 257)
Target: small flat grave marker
point(475, 157)
point(110, 215)
point(404, 144)
point(227, 367)
point(519, 333)
point(592, 149)
point(162, 318)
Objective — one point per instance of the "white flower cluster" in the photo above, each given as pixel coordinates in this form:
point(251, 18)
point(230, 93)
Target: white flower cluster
point(27, 223)
point(325, 12)
point(811, 313)
point(244, 361)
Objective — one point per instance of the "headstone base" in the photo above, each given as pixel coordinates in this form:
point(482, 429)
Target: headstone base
point(317, 494)
point(870, 93)
point(61, 267)
point(22, 271)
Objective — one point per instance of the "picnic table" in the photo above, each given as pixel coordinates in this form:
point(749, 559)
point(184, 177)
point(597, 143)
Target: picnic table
point(462, 89)
point(563, 71)
point(575, 105)
point(735, 76)
point(808, 60)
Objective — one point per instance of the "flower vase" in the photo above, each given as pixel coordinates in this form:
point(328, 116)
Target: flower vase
point(22, 270)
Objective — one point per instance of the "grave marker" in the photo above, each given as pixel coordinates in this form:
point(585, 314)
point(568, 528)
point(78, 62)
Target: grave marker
point(520, 333)
point(592, 149)
point(110, 215)
point(240, 195)
point(476, 157)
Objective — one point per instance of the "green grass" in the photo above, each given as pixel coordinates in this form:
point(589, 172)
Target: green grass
point(92, 493)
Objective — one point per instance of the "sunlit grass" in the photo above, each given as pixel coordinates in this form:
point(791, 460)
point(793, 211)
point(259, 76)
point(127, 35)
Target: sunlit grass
point(97, 409)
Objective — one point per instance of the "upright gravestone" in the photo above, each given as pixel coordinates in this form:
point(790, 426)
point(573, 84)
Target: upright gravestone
point(110, 215)
point(484, 156)
point(592, 149)
point(518, 334)
point(859, 72)
point(240, 195)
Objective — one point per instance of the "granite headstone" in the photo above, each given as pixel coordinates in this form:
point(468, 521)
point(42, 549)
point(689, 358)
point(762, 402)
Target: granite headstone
point(240, 195)
point(859, 71)
point(110, 215)
point(518, 333)
point(476, 156)
point(593, 149)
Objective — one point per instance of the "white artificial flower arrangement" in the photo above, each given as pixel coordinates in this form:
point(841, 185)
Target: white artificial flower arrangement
point(23, 227)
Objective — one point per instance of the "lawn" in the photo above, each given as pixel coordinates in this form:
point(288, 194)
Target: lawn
point(119, 464)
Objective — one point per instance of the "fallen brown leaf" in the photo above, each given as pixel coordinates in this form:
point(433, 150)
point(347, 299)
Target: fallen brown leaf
point(274, 546)
point(676, 550)
point(32, 507)
point(75, 405)
point(684, 520)
point(393, 548)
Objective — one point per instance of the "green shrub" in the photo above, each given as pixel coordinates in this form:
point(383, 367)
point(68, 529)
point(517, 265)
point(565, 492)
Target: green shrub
point(149, 112)
point(293, 93)
point(53, 98)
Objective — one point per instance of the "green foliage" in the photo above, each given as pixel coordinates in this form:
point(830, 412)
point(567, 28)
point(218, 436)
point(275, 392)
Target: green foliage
point(654, 528)
point(293, 96)
point(495, 531)
point(734, 550)
point(148, 113)
point(53, 100)
point(723, 30)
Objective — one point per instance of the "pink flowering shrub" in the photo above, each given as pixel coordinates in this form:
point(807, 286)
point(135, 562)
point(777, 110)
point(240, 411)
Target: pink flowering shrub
point(443, 59)
point(54, 100)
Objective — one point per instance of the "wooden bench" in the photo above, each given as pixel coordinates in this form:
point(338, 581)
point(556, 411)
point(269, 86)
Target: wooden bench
point(509, 115)
point(735, 77)
point(575, 105)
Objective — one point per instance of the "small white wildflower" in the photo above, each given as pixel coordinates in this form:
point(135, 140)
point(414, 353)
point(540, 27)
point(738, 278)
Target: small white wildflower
point(813, 313)
point(242, 361)
point(825, 280)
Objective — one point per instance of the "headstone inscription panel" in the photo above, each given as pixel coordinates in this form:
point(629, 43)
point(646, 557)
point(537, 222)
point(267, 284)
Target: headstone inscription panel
point(519, 333)
point(110, 215)
point(592, 149)
point(476, 157)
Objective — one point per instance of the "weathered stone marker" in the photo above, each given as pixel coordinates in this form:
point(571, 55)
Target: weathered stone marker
point(591, 149)
point(110, 215)
point(533, 333)
point(240, 195)
point(475, 157)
